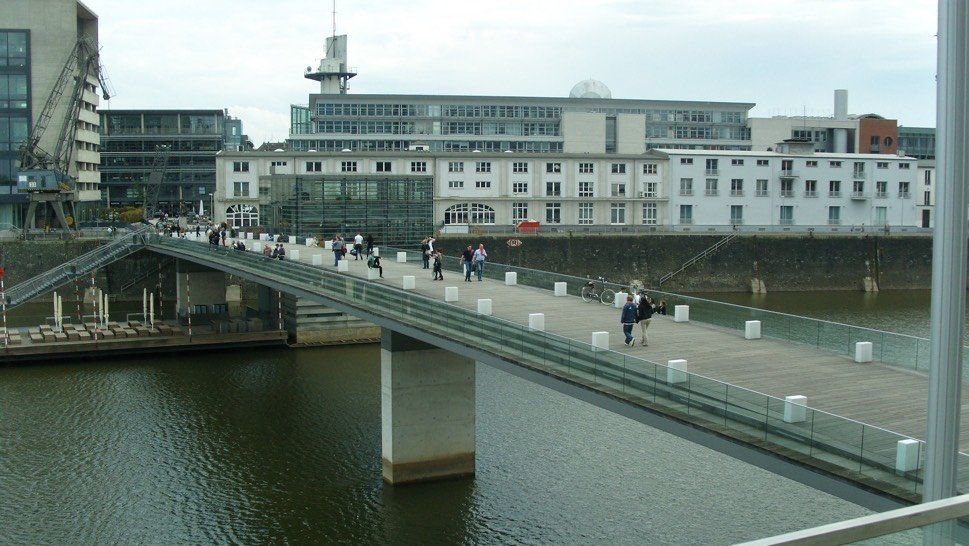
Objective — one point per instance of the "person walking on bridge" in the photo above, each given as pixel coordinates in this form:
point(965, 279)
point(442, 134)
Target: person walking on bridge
point(336, 245)
point(628, 319)
point(480, 256)
point(644, 314)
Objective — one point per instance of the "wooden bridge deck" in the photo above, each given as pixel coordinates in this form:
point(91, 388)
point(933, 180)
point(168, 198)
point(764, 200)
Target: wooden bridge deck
point(876, 394)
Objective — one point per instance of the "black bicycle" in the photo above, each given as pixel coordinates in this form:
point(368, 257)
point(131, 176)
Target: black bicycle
point(591, 292)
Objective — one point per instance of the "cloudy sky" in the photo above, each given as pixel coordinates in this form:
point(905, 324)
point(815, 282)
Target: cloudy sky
point(787, 56)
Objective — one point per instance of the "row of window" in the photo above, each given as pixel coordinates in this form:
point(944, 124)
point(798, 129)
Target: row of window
point(554, 189)
point(437, 110)
point(518, 167)
point(787, 188)
point(788, 164)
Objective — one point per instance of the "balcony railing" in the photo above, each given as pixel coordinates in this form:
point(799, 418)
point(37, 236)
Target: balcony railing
point(859, 174)
point(904, 195)
point(787, 193)
point(712, 172)
point(810, 193)
point(834, 193)
point(763, 193)
point(859, 195)
point(787, 221)
point(736, 193)
point(787, 173)
point(686, 220)
point(686, 191)
point(711, 193)
point(834, 221)
point(881, 195)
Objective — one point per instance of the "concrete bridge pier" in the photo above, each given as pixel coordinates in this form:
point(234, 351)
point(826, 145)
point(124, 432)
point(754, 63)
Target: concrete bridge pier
point(198, 285)
point(428, 414)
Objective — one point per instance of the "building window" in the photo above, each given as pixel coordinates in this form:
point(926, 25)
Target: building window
point(651, 189)
point(711, 189)
point(586, 189)
point(649, 168)
point(881, 189)
point(519, 167)
point(482, 167)
point(617, 213)
point(812, 163)
point(713, 167)
point(686, 161)
point(649, 214)
point(881, 165)
point(737, 187)
point(314, 166)
point(553, 167)
point(418, 166)
point(553, 189)
point(519, 212)
point(586, 168)
point(618, 168)
point(482, 184)
point(585, 213)
point(834, 164)
point(242, 216)
point(737, 162)
point(761, 190)
point(834, 216)
point(618, 190)
point(455, 184)
point(240, 189)
point(737, 215)
point(903, 165)
point(686, 186)
point(383, 167)
point(348, 166)
point(903, 192)
point(787, 188)
point(928, 177)
point(926, 198)
point(787, 215)
point(240, 166)
point(279, 163)
point(455, 166)
point(858, 188)
point(553, 213)
point(474, 213)
point(834, 188)
point(519, 187)
point(881, 216)
point(810, 188)
point(763, 163)
point(686, 214)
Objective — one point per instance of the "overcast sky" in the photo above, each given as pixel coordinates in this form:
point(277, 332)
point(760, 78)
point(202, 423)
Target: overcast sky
point(787, 56)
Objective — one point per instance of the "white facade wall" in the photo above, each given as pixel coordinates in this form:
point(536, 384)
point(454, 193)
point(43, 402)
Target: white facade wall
point(584, 133)
point(636, 191)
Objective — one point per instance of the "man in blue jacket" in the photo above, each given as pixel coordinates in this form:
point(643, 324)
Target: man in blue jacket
point(628, 319)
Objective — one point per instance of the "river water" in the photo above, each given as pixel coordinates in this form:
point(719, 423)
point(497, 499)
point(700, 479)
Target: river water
point(282, 446)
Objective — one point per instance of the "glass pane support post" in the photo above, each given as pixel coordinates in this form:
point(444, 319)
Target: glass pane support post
point(948, 253)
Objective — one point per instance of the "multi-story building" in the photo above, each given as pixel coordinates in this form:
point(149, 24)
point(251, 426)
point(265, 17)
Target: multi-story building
point(791, 188)
point(917, 142)
point(841, 133)
point(181, 144)
point(36, 40)
point(588, 121)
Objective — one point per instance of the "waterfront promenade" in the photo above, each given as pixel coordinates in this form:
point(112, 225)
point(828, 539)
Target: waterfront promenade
point(885, 396)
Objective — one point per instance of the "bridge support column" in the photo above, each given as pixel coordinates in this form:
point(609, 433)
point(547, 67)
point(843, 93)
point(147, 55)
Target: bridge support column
point(427, 403)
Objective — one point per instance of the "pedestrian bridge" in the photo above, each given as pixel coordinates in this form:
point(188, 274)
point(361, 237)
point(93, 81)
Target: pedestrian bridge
point(857, 434)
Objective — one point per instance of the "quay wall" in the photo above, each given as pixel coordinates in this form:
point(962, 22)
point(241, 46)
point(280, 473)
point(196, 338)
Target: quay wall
point(782, 262)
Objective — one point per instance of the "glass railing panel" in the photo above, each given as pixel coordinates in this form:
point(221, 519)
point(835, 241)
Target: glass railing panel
point(794, 434)
point(640, 379)
point(837, 440)
point(880, 453)
point(962, 471)
point(583, 359)
point(610, 369)
point(748, 411)
point(708, 399)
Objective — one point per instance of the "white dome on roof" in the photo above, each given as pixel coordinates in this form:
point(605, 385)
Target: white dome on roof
point(590, 89)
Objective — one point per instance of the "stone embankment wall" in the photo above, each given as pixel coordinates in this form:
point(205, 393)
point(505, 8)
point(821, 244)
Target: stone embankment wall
point(784, 263)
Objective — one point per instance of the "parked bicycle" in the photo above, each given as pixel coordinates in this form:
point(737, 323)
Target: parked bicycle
point(591, 292)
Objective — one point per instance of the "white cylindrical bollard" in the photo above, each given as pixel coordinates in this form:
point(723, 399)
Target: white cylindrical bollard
point(450, 293)
point(511, 278)
point(310, 241)
point(600, 341)
point(376, 251)
point(343, 266)
point(484, 306)
point(561, 289)
point(795, 409)
point(536, 321)
point(752, 329)
point(676, 371)
point(863, 351)
point(681, 313)
point(257, 247)
point(619, 300)
point(248, 235)
point(907, 455)
point(317, 259)
point(410, 282)
point(264, 237)
point(401, 257)
point(293, 255)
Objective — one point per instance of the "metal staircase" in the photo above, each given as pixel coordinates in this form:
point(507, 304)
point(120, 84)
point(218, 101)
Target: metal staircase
point(689, 263)
point(82, 265)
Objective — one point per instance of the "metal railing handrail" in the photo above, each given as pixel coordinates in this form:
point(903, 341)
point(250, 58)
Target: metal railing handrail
point(715, 247)
point(81, 265)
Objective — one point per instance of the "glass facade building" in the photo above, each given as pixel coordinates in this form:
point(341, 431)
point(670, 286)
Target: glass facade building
point(917, 142)
point(395, 210)
point(15, 108)
point(130, 143)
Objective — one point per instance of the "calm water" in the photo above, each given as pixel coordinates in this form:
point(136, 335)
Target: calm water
point(283, 447)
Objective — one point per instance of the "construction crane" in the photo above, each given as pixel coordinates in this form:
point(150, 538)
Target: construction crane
point(43, 175)
point(156, 178)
